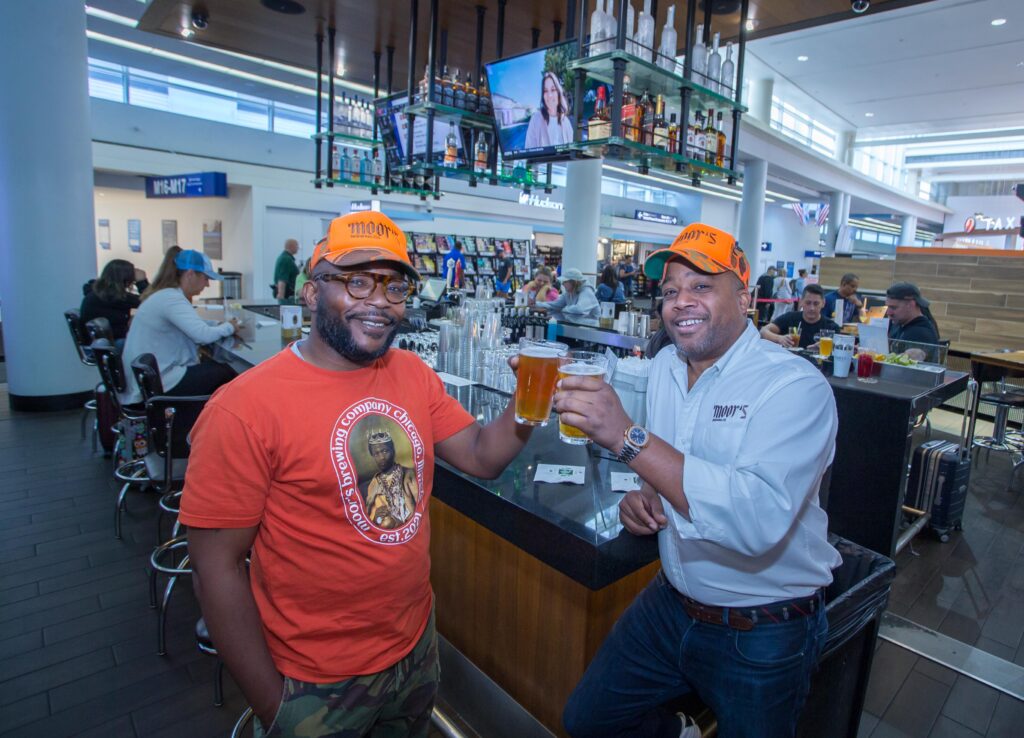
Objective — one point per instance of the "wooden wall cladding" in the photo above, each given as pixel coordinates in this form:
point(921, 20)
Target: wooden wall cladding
point(527, 626)
point(977, 299)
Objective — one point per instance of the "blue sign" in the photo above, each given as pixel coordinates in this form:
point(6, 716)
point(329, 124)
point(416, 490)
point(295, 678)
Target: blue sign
point(201, 184)
point(650, 217)
point(766, 246)
point(814, 254)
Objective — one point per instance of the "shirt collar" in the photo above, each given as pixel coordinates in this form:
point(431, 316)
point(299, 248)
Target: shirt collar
point(747, 339)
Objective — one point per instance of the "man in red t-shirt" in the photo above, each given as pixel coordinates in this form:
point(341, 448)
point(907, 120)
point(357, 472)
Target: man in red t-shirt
point(320, 461)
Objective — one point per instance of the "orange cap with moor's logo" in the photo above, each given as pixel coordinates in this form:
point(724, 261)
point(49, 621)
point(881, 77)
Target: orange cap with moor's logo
point(363, 239)
point(707, 248)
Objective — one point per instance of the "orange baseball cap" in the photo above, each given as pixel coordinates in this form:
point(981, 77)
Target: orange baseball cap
point(707, 248)
point(364, 238)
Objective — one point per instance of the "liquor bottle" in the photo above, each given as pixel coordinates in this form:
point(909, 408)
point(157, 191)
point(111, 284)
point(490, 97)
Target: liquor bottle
point(659, 135)
point(336, 162)
point(447, 93)
point(459, 91)
point(715, 65)
point(669, 41)
point(727, 87)
point(600, 124)
point(378, 167)
point(353, 165)
point(691, 140)
point(710, 138)
point(630, 28)
point(471, 96)
point(647, 119)
point(631, 113)
point(611, 26)
point(699, 137)
point(483, 103)
point(423, 89)
point(480, 154)
point(365, 168)
point(596, 29)
point(699, 65)
point(720, 149)
point(673, 135)
point(438, 89)
point(645, 33)
point(451, 147)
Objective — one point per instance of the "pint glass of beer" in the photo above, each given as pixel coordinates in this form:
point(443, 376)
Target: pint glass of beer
point(535, 381)
point(579, 363)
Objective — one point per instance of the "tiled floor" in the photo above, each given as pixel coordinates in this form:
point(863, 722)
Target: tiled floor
point(78, 640)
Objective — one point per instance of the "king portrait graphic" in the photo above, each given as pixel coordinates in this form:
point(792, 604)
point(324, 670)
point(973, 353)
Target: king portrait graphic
point(393, 491)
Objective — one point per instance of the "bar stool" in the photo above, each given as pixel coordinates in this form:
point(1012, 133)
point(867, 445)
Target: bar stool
point(205, 644)
point(81, 340)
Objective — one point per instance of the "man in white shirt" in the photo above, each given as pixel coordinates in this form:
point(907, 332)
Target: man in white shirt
point(741, 433)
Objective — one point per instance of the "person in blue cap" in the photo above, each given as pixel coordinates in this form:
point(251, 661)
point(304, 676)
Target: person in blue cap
point(166, 325)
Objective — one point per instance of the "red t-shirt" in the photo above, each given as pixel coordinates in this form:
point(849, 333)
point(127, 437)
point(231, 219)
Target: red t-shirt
point(336, 469)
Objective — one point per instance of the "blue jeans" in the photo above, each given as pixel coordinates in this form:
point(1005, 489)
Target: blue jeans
point(755, 681)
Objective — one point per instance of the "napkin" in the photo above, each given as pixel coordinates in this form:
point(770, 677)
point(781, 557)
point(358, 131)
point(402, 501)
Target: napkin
point(625, 481)
point(559, 474)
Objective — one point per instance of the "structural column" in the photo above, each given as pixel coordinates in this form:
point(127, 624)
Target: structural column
point(835, 217)
point(755, 180)
point(47, 237)
point(582, 215)
point(908, 230)
point(760, 100)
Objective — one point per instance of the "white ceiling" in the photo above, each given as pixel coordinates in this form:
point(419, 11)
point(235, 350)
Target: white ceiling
point(936, 66)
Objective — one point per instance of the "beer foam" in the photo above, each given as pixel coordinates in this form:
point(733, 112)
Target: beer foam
point(582, 369)
point(541, 352)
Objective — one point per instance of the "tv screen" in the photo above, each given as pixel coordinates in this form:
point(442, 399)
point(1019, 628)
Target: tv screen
point(393, 126)
point(532, 101)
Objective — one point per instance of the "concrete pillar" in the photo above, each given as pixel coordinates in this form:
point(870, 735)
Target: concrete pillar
point(844, 147)
point(908, 230)
point(835, 217)
point(1010, 244)
point(755, 180)
point(760, 99)
point(582, 215)
point(47, 236)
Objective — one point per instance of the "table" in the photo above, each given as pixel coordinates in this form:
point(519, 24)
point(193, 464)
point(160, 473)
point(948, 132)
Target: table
point(987, 366)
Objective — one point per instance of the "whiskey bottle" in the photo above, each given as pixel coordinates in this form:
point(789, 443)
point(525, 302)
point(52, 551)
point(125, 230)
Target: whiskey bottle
point(600, 123)
point(459, 94)
point(451, 147)
point(691, 139)
point(699, 137)
point(673, 135)
point(647, 120)
point(471, 96)
point(659, 135)
point(632, 114)
point(720, 135)
point(710, 138)
point(480, 154)
point(447, 93)
point(483, 96)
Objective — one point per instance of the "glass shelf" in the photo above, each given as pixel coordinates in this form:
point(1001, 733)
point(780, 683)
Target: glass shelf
point(338, 137)
point(505, 178)
point(638, 154)
point(645, 75)
point(468, 117)
point(386, 189)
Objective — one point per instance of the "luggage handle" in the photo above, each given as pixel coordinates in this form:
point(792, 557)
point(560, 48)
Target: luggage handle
point(972, 398)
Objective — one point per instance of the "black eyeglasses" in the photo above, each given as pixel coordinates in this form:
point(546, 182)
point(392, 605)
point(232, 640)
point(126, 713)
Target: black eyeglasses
point(361, 285)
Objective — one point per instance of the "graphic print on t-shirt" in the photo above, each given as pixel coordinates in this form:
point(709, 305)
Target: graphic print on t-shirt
point(378, 455)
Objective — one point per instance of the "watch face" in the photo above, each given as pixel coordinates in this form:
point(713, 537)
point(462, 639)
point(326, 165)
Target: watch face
point(637, 436)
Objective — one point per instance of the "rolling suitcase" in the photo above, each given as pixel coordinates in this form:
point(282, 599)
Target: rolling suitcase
point(940, 473)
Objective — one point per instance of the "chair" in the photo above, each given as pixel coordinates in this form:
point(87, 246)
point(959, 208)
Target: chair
point(1004, 399)
point(205, 644)
point(170, 421)
point(81, 340)
point(98, 328)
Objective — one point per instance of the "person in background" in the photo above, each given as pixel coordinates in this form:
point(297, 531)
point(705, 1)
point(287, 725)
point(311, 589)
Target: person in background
point(166, 325)
point(301, 279)
point(765, 291)
point(111, 297)
point(503, 277)
point(626, 274)
point(285, 271)
point(330, 629)
point(539, 289)
point(782, 292)
point(799, 283)
point(609, 289)
point(852, 303)
point(740, 435)
point(808, 318)
point(577, 298)
point(454, 265)
point(909, 316)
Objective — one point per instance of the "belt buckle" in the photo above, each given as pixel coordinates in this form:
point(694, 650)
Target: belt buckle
point(739, 622)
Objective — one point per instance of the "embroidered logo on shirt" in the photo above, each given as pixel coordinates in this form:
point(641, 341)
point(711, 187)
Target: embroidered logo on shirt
point(379, 457)
point(722, 413)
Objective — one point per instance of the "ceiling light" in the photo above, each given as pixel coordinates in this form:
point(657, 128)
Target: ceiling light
point(751, 24)
point(869, 115)
point(112, 17)
point(187, 33)
point(802, 57)
point(999, 21)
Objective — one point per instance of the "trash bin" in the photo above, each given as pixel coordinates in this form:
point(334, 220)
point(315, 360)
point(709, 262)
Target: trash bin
point(854, 603)
point(231, 286)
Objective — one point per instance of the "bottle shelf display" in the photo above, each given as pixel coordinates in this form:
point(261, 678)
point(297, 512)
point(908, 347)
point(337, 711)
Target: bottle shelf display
point(483, 256)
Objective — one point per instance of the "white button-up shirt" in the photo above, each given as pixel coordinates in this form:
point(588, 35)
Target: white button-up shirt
point(757, 431)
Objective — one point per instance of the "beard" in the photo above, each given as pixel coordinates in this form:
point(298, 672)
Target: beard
point(334, 331)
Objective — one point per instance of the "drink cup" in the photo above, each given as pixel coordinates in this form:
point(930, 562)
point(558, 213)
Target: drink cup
point(865, 368)
point(825, 343)
point(842, 355)
point(539, 362)
point(794, 333)
point(579, 363)
point(607, 315)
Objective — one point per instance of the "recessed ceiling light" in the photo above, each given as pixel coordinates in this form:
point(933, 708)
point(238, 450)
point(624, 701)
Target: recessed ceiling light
point(869, 115)
point(751, 24)
point(999, 22)
point(187, 33)
point(802, 57)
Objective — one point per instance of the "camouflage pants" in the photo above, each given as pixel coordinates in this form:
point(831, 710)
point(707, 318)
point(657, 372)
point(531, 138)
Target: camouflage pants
point(393, 703)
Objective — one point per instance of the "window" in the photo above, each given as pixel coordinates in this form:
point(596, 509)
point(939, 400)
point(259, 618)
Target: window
point(798, 125)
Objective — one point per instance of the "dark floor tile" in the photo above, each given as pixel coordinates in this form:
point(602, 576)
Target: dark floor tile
point(57, 617)
point(1008, 718)
point(53, 600)
point(1005, 623)
point(37, 573)
point(995, 648)
point(971, 704)
point(935, 671)
point(21, 643)
point(867, 725)
point(11, 595)
point(15, 521)
point(884, 730)
point(120, 728)
point(44, 679)
point(138, 564)
point(17, 554)
point(196, 701)
point(208, 724)
point(946, 728)
point(890, 668)
point(960, 628)
point(916, 706)
point(22, 713)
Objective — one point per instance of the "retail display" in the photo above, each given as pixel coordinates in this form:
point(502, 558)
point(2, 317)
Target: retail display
point(483, 256)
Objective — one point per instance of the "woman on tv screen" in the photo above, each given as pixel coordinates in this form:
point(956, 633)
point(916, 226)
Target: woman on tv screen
point(550, 125)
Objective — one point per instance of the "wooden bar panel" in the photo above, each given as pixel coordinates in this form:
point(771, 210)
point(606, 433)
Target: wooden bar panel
point(874, 274)
point(532, 629)
point(966, 297)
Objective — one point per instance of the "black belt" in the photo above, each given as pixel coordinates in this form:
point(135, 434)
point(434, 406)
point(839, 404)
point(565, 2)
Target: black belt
point(745, 618)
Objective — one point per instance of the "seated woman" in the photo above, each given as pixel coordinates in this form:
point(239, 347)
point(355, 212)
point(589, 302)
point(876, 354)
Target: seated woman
point(166, 325)
point(540, 287)
point(577, 297)
point(110, 297)
point(609, 288)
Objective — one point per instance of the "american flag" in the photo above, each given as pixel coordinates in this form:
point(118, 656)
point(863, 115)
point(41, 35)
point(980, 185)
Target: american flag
point(811, 212)
point(798, 208)
point(822, 215)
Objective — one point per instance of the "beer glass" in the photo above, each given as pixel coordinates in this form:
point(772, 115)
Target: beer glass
point(579, 363)
point(825, 343)
point(535, 380)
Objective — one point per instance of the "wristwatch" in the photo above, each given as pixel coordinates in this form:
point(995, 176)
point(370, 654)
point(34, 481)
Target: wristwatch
point(635, 440)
